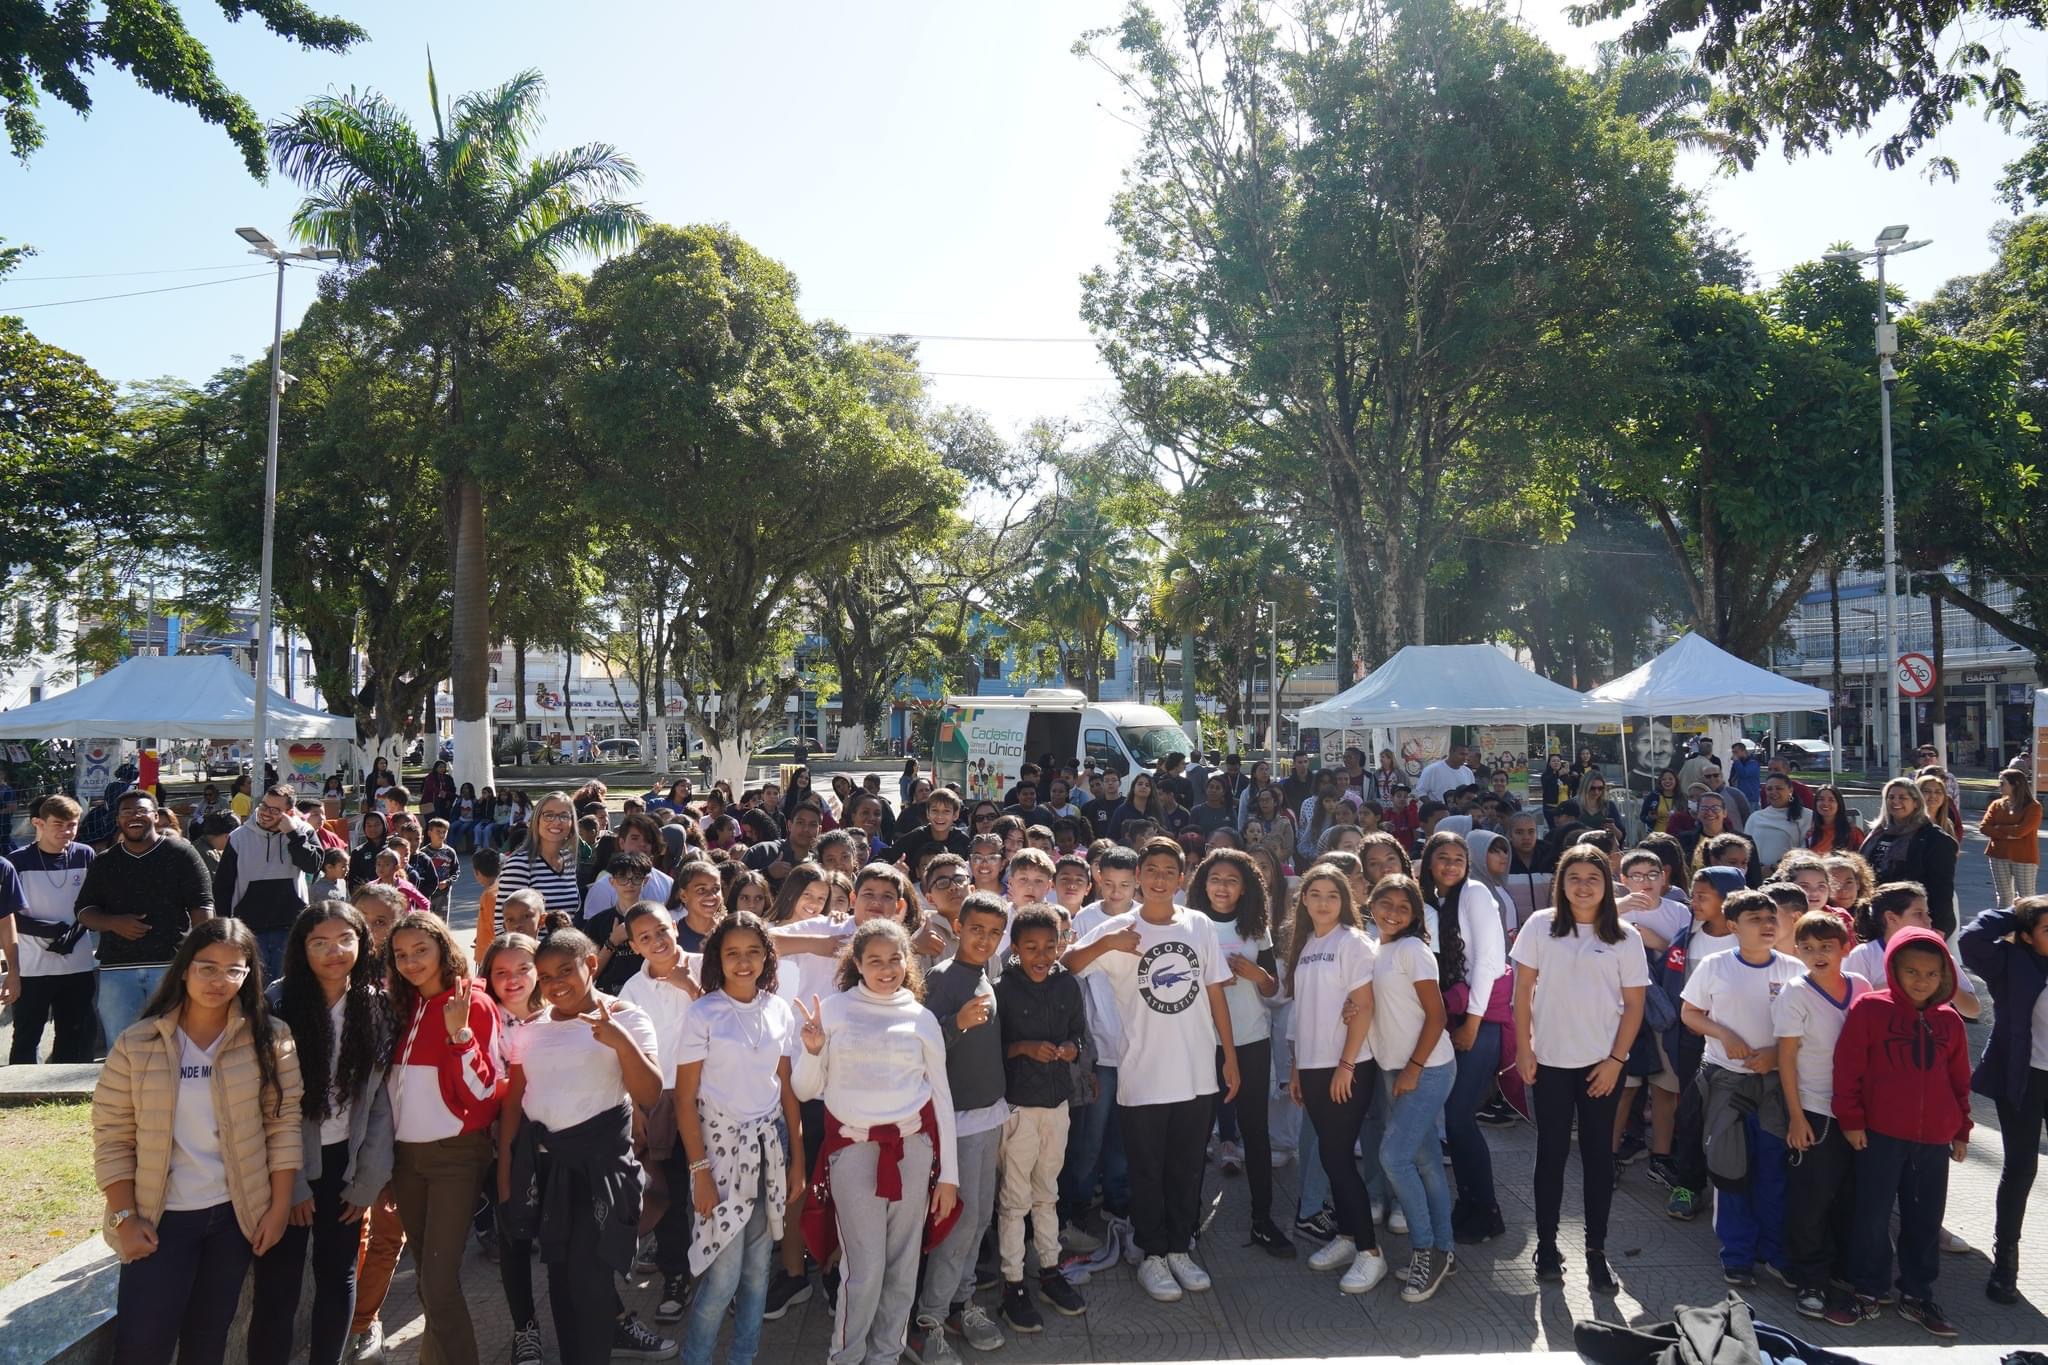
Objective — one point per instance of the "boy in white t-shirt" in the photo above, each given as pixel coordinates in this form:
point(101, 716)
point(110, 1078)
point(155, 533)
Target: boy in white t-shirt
point(1807, 1018)
point(1169, 973)
point(1095, 1148)
point(664, 987)
point(1728, 1002)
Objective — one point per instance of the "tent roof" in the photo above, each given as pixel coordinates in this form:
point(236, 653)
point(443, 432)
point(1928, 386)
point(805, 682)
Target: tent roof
point(1454, 685)
point(1696, 677)
point(182, 696)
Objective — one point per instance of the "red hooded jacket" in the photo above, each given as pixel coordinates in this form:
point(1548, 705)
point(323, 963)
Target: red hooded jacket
point(1902, 1069)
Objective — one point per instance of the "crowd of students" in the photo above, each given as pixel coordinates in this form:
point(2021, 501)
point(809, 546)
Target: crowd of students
point(900, 1057)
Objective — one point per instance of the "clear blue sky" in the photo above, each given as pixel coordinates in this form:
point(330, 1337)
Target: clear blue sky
point(931, 167)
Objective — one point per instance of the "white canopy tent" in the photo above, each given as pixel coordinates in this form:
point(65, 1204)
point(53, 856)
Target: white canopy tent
point(1455, 685)
point(183, 696)
point(1696, 677)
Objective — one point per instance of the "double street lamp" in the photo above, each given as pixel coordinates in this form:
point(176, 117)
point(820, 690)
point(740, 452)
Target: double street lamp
point(1890, 242)
point(260, 245)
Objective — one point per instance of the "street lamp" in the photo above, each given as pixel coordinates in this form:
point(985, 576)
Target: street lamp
point(1890, 242)
point(260, 245)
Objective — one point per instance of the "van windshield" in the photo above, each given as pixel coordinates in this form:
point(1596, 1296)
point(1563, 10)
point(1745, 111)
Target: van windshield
point(1150, 743)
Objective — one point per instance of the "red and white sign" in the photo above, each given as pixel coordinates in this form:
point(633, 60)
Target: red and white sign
point(1916, 675)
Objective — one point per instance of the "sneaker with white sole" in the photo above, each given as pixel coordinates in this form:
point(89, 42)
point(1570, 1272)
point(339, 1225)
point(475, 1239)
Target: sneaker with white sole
point(926, 1343)
point(976, 1327)
point(1192, 1277)
point(368, 1344)
point(1074, 1237)
point(1368, 1268)
point(1397, 1221)
point(1338, 1253)
point(526, 1349)
point(1230, 1156)
point(1425, 1275)
point(1156, 1279)
point(632, 1339)
point(1953, 1244)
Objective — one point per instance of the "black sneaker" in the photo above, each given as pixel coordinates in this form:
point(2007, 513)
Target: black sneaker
point(1065, 1299)
point(1549, 1264)
point(1481, 1225)
point(785, 1291)
point(1600, 1275)
point(631, 1339)
point(1738, 1277)
point(2001, 1288)
point(1322, 1227)
point(1019, 1310)
point(1272, 1241)
point(1632, 1150)
point(673, 1290)
point(1498, 1113)
point(1928, 1314)
point(830, 1279)
point(1662, 1170)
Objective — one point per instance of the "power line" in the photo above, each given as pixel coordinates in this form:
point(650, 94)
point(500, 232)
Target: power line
point(131, 294)
point(935, 336)
point(124, 274)
point(1033, 378)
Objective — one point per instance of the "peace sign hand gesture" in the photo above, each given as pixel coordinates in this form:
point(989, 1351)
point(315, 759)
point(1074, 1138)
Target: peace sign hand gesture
point(455, 1009)
point(813, 1029)
point(603, 1028)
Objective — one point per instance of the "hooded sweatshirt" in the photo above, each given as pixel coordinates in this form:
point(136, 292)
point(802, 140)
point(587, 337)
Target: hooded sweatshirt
point(1903, 1070)
point(258, 880)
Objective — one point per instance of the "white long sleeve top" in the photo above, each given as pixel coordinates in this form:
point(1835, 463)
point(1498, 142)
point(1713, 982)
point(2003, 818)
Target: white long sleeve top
point(883, 1058)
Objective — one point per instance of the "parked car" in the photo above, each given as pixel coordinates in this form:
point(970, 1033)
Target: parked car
point(784, 750)
point(1805, 753)
point(618, 751)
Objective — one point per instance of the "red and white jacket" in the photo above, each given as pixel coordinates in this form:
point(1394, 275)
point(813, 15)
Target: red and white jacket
point(441, 1089)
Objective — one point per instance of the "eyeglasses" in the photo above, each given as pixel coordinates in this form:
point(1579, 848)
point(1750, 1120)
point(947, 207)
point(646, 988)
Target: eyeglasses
point(213, 973)
point(949, 883)
point(554, 815)
point(330, 947)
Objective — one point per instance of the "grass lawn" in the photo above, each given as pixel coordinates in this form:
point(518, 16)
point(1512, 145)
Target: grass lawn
point(49, 1202)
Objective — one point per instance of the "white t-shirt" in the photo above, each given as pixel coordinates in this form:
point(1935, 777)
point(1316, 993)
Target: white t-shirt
point(1161, 996)
point(1250, 1020)
point(1438, 778)
point(1739, 994)
point(604, 896)
point(1397, 1014)
point(1105, 1025)
point(740, 1046)
point(1332, 966)
point(667, 1005)
point(198, 1176)
point(1867, 961)
point(799, 976)
point(1579, 984)
point(570, 1076)
point(334, 1128)
point(1667, 919)
point(1804, 1011)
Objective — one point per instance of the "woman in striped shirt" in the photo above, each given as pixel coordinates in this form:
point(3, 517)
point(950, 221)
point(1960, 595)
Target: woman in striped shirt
point(547, 860)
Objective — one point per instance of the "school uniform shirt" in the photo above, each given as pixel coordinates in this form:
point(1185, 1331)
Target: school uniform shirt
point(1738, 994)
point(1105, 1025)
point(570, 1076)
point(335, 1127)
point(1867, 961)
point(1397, 1013)
point(604, 896)
point(1169, 1038)
point(49, 889)
point(668, 1006)
point(1806, 1012)
point(1667, 919)
point(1332, 966)
point(884, 1060)
point(1580, 978)
point(198, 1177)
point(1250, 1020)
point(799, 976)
point(739, 1045)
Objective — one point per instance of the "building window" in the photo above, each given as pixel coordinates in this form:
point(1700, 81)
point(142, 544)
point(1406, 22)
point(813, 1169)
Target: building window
point(1109, 668)
point(992, 666)
point(494, 677)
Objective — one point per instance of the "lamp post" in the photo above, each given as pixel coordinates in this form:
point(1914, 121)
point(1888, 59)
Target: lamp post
point(1869, 678)
point(1890, 242)
point(260, 245)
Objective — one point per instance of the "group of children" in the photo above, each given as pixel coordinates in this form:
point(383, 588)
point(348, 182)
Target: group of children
point(920, 1090)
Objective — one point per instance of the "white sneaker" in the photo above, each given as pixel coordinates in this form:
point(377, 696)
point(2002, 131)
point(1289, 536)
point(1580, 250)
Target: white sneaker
point(1192, 1277)
point(1231, 1157)
point(1379, 1215)
point(1368, 1268)
point(1281, 1156)
point(1076, 1238)
point(1953, 1244)
point(1157, 1280)
point(368, 1344)
point(1397, 1221)
point(1335, 1254)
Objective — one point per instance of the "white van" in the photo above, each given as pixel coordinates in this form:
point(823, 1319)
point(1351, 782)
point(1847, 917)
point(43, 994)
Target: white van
point(983, 741)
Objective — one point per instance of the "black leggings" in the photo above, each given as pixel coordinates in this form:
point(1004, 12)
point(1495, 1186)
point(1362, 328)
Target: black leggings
point(2019, 1128)
point(1558, 1095)
point(1250, 1115)
point(1337, 1126)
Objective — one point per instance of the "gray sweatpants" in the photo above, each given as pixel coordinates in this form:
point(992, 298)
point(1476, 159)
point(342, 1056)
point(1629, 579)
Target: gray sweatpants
point(879, 1241)
point(949, 1270)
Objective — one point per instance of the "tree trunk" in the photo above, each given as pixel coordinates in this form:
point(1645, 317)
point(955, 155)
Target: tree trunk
point(1938, 698)
point(470, 636)
point(1835, 641)
point(518, 701)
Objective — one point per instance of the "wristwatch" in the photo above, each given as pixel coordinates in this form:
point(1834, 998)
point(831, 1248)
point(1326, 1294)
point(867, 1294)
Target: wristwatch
point(122, 1215)
point(463, 1038)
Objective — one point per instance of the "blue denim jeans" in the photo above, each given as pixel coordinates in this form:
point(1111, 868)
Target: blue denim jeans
point(123, 991)
point(740, 1277)
point(1413, 1161)
point(1095, 1146)
point(271, 943)
point(1315, 1181)
point(1471, 1159)
point(180, 1299)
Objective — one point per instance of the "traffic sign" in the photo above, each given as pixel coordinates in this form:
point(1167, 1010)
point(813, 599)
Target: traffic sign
point(1916, 674)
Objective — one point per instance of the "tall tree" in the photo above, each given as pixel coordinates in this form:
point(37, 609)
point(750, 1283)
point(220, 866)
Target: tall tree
point(1379, 249)
point(52, 48)
point(457, 225)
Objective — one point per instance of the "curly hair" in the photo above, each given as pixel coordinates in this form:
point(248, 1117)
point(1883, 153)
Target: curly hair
point(849, 957)
point(711, 976)
point(404, 999)
point(1250, 912)
point(302, 1005)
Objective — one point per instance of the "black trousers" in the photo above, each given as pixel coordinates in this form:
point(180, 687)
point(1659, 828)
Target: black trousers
point(66, 1000)
point(1251, 1115)
point(1913, 1175)
point(2019, 1127)
point(1165, 1144)
point(1689, 1129)
point(280, 1274)
point(1558, 1097)
point(581, 1291)
point(672, 1232)
point(1820, 1206)
point(180, 1299)
point(1337, 1126)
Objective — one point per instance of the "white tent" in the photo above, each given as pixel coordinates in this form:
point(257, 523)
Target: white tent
point(1455, 685)
point(1696, 677)
point(183, 696)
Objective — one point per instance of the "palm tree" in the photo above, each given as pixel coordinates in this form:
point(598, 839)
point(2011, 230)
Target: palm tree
point(1664, 91)
point(447, 232)
point(1089, 567)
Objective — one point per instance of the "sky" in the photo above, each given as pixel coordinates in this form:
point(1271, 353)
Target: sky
point(923, 166)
